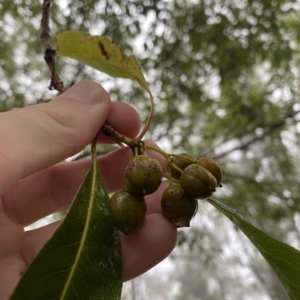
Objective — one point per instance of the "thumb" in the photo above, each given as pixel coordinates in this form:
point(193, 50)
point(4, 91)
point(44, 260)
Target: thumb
point(39, 136)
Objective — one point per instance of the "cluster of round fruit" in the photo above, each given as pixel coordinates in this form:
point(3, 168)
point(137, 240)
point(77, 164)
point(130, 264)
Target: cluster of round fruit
point(189, 180)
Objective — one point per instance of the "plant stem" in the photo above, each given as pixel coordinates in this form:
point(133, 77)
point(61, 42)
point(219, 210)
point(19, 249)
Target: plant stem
point(185, 157)
point(49, 52)
point(151, 113)
point(166, 155)
point(109, 131)
point(94, 149)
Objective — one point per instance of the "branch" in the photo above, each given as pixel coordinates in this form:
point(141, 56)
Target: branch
point(270, 183)
point(49, 52)
point(272, 127)
point(57, 84)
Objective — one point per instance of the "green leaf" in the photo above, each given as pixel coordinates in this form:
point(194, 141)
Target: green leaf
point(83, 258)
point(284, 259)
point(101, 54)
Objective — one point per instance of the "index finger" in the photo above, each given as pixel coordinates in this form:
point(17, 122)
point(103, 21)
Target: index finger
point(39, 136)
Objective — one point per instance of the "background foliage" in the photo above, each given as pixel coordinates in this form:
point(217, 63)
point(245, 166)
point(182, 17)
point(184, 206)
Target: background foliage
point(225, 78)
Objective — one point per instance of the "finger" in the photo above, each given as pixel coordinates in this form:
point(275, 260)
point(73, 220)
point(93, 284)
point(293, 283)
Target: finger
point(125, 119)
point(12, 265)
point(153, 200)
point(39, 136)
point(53, 189)
point(146, 247)
point(141, 250)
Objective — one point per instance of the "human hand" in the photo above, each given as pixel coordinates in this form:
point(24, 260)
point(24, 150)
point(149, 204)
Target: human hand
point(35, 183)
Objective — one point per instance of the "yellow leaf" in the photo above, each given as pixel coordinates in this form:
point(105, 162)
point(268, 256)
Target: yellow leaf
point(101, 54)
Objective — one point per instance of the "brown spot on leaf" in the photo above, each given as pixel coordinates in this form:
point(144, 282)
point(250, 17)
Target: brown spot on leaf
point(103, 51)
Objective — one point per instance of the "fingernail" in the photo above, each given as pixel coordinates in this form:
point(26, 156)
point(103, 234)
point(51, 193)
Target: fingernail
point(86, 91)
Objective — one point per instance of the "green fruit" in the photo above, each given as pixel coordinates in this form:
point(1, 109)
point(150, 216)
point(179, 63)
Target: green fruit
point(210, 165)
point(181, 161)
point(127, 211)
point(143, 175)
point(178, 207)
point(197, 182)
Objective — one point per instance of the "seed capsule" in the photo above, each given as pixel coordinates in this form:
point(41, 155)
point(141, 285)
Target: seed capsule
point(143, 175)
point(127, 211)
point(181, 161)
point(210, 165)
point(178, 207)
point(197, 182)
